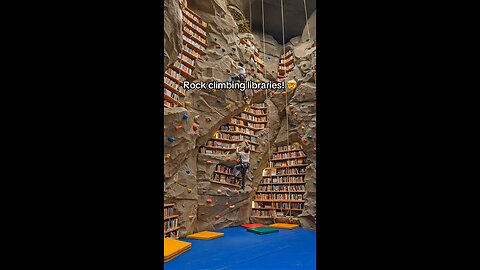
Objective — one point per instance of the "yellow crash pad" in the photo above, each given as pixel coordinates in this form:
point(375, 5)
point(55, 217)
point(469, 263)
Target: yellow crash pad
point(172, 248)
point(205, 235)
point(284, 226)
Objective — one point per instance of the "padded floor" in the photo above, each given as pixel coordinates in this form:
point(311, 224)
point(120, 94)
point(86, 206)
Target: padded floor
point(243, 250)
point(205, 235)
point(172, 248)
point(284, 226)
point(262, 230)
point(254, 225)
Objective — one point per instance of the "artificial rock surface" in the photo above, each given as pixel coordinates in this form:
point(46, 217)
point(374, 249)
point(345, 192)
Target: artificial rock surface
point(201, 204)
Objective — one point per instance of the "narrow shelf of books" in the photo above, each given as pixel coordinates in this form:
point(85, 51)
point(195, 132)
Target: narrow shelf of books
point(286, 65)
point(194, 45)
point(223, 175)
point(170, 221)
point(240, 128)
point(281, 191)
point(254, 54)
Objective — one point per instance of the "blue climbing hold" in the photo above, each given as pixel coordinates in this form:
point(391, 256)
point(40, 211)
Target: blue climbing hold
point(171, 138)
point(185, 116)
point(188, 170)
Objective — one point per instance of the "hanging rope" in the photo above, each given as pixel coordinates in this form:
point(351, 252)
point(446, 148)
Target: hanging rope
point(251, 17)
point(306, 19)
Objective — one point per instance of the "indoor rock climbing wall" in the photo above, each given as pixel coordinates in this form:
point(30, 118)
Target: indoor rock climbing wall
point(203, 205)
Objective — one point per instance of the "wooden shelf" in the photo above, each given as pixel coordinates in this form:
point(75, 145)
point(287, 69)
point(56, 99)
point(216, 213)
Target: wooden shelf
point(289, 166)
point(240, 125)
point(286, 151)
point(168, 204)
point(203, 26)
point(292, 183)
point(288, 174)
point(173, 78)
point(220, 148)
point(258, 108)
point(259, 208)
point(225, 140)
point(226, 174)
point(296, 191)
point(171, 88)
point(191, 46)
point(183, 73)
point(192, 66)
point(251, 121)
point(237, 132)
point(170, 217)
point(191, 56)
point(224, 183)
point(169, 98)
point(202, 33)
point(171, 230)
point(288, 158)
point(258, 115)
point(194, 38)
point(267, 200)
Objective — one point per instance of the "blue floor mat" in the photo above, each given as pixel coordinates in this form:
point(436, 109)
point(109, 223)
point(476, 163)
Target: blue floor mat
point(242, 250)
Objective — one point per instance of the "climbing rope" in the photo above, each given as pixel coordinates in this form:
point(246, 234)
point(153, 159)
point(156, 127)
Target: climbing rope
point(306, 19)
point(250, 16)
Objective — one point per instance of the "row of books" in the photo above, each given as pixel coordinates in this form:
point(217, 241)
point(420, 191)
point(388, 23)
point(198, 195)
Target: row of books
point(248, 124)
point(203, 150)
point(282, 180)
point(281, 171)
point(294, 154)
point(194, 17)
point(223, 169)
point(286, 67)
point(173, 84)
point(190, 51)
point(279, 205)
point(167, 211)
point(279, 196)
point(255, 111)
point(183, 67)
point(197, 36)
point(170, 94)
point(221, 144)
point(234, 137)
point(194, 43)
point(194, 26)
point(284, 163)
point(188, 60)
point(264, 213)
point(286, 55)
point(288, 147)
point(238, 129)
point(259, 105)
point(170, 224)
point(168, 104)
point(285, 188)
point(253, 118)
point(222, 178)
point(173, 234)
point(175, 74)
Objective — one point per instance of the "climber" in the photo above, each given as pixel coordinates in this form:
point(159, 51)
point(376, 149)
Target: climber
point(243, 165)
point(241, 77)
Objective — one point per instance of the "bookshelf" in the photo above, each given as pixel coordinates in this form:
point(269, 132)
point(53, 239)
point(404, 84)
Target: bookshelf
point(241, 127)
point(193, 46)
point(254, 54)
point(282, 188)
point(286, 65)
point(170, 221)
point(223, 175)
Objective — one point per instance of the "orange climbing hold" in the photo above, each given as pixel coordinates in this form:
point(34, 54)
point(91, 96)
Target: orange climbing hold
point(209, 162)
point(195, 127)
point(178, 127)
point(284, 93)
point(209, 200)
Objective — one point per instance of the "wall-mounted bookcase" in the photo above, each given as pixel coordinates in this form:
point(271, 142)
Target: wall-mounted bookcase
point(170, 222)
point(240, 128)
point(254, 55)
point(286, 65)
point(282, 188)
point(223, 175)
point(194, 45)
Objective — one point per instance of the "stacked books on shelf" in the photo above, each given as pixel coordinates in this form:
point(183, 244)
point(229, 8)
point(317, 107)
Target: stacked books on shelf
point(281, 191)
point(286, 65)
point(170, 222)
point(240, 128)
point(255, 56)
point(223, 175)
point(194, 44)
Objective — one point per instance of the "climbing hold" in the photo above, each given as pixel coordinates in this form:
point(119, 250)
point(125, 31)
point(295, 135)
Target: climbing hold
point(214, 91)
point(217, 46)
point(255, 168)
point(227, 70)
point(219, 190)
point(209, 162)
point(232, 206)
point(208, 119)
point(302, 127)
point(291, 106)
point(228, 158)
point(303, 94)
point(188, 103)
point(189, 190)
point(255, 189)
point(169, 113)
point(188, 170)
point(292, 84)
point(178, 127)
point(191, 217)
point(263, 143)
point(167, 156)
point(310, 136)
point(185, 116)
point(235, 191)
point(228, 107)
point(284, 93)
point(171, 138)
point(196, 117)
point(233, 49)
point(217, 217)
point(258, 160)
point(226, 203)
point(314, 149)
point(195, 127)
point(223, 50)
point(209, 200)
point(274, 92)
point(175, 180)
point(305, 140)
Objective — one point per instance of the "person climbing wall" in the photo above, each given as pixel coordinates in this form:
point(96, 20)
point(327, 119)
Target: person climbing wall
point(241, 77)
point(243, 165)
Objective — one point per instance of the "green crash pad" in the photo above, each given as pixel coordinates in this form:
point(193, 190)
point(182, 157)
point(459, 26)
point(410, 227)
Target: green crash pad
point(262, 230)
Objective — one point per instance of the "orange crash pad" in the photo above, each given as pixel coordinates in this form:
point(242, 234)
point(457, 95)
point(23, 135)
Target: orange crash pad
point(172, 248)
point(284, 226)
point(205, 235)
